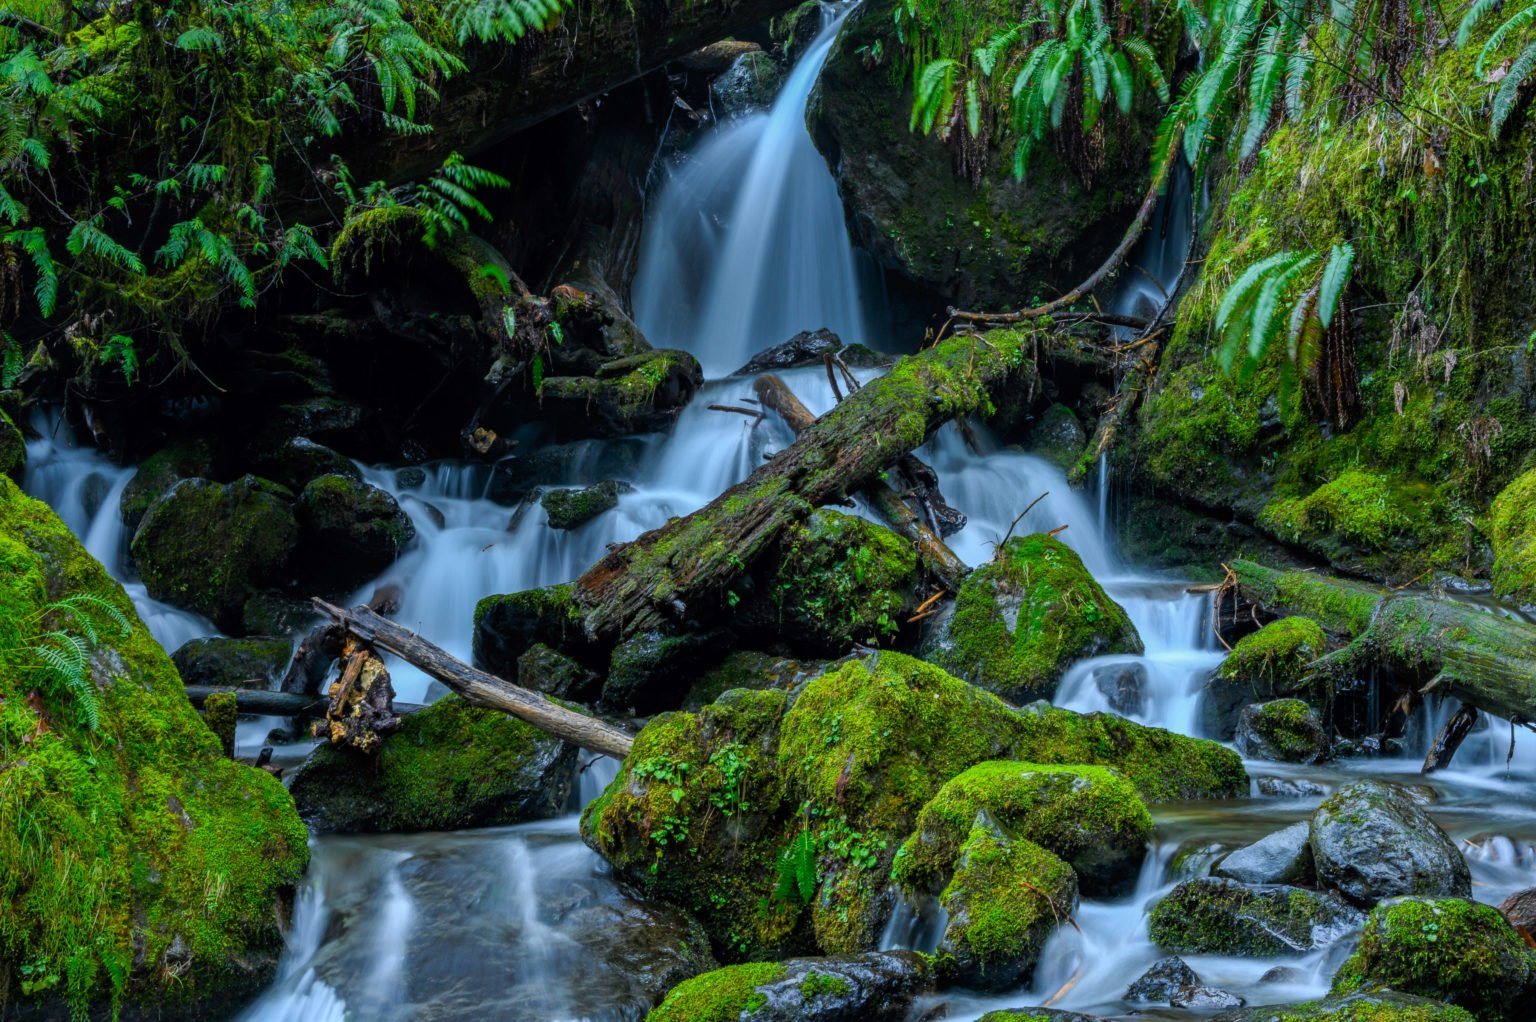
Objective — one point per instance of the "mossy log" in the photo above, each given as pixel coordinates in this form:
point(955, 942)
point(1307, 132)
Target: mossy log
point(680, 572)
point(1452, 648)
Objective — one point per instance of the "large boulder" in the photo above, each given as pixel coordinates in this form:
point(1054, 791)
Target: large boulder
point(190, 458)
point(1268, 664)
point(1284, 730)
point(450, 765)
point(153, 873)
point(1449, 949)
point(351, 531)
point(209, 547)
point(1023, 618)
point(1370, 840)
point(1215, 916)
point(877, 986)
point(1284, 857)
point(252, 662)
point(1386, 1006)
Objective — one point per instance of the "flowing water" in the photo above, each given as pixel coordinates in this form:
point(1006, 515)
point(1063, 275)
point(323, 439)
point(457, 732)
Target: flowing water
point(524, 922)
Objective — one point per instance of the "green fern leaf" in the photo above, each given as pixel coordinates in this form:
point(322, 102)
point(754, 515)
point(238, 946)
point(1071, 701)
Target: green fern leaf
point(1335, 276)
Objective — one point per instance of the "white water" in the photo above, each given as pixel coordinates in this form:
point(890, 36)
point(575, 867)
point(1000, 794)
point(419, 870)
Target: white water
point(449, 926)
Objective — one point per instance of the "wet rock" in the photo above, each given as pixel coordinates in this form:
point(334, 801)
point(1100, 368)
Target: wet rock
point(1283, 974)
point(319, 418)
point(1196, 859)
point(298, 460)
point(252, 662)
point(1036, 1015)
point(650, 947)
point(566, 509)
point(1020, 620)
point(507, 626)
point(1215, 916)
point(749, 84)
point(1058, 437)
point(809, 348)
point(555, 674)
point(877, 986)
point(13, 448)
point(797, 29)
point(449, 766)
point(1204, 998)
point(1449, 949)
point(1266, 665)
point(1284, 857)
point(1370, 841)
point(716, 57)
point(1520, 909)
point(635, 394)
point(275, 613)
point(1285, 730)
point(352, 531)
point(1123, 685)
point(193, 458)
point(209, 547)
point(1166, 977)
point(1289, 787)
point(580, 463)
point(644, 670)
point(748, 669)
point(1377, 1007)
point(410, 478)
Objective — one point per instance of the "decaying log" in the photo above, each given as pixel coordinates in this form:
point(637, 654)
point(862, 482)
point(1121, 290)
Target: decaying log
point(477, 686)
point(1449, 647)
point(360, 711)
point(938, 558)
point(1449, 739)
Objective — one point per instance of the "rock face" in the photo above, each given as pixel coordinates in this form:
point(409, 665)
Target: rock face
point(991, 244)
point(1022, 619)
point(1371, 841)
point(120, 776)
point(451, 765)
point(1452, 950)
point(208, 547)
point(878, 986)
point(1215, 916)
point(351, 530)
point(243, 663)
point(1285, 730)
point(1037, 1015)
point(1284, 857)
point(566, 509)
point(749, 84)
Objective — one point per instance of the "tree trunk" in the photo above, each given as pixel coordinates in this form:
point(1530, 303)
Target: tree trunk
point(477, 686)
point(681, 571)
point(1454, 648)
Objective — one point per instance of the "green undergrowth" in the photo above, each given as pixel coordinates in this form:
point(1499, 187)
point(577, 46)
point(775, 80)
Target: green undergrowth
point(724, 995)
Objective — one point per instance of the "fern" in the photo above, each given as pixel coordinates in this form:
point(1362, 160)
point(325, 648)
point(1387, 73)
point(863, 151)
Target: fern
point(64, 656)
point(796, 867)
point(504, 21)
point(35, 244)
point(88, 237)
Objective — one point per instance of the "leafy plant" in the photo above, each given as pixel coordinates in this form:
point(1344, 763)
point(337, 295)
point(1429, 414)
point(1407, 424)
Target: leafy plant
point(1520, 65)
point(797, 873)
point(59, 650)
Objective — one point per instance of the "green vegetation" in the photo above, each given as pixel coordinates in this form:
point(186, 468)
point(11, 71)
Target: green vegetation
point(723, 995)
point(840, 579)
point(1211, 916)
point(1277, 654)
point(1514, 539)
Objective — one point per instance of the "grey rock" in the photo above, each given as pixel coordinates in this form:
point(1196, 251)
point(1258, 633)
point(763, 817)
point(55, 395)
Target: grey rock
point(1371, 841)
point(1284, 857)
point(877, 986)
point(1283, 974)
point(1289, 787)
point(1166, 977)
point(1058, 436)
point(808, 348)
point(1203, 998)
point(1217, 916)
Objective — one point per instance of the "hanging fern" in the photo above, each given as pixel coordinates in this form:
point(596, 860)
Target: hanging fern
point(503, 21)
point(1521, 65)
point(797, 874)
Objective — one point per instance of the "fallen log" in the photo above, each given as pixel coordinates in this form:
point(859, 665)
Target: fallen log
point(477, 686)
point(1449, 739)
point(1448, 647)
point(942, 562)
point(262, 701)
point(681, 571)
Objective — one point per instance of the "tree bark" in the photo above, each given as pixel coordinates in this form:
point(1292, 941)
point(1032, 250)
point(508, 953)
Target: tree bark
point(680, 572)
point(1453, 648)
point(477, 686)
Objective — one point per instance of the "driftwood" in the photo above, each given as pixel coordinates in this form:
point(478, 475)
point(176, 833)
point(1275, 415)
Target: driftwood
point(477, 686)
point(1450, 738)
point(938, 558)
point(1445, 646)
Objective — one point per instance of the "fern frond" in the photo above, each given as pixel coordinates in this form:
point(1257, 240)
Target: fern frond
point(1341, 261)
point(1504, 100)
point(88, 237)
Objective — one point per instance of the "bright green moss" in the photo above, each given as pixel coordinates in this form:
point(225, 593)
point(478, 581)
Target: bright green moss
point(1361, 508)
point(220, 716)
point(1277, 654)
point(1214, 916)
point(13, 448)
point(566, 509)
point(1452, 950)
point(1384, 1007)
point(1514, 539)
point(1022, 619)
point(724, 995)
point(1342, 608)
point(136, 857)
point(817, 983)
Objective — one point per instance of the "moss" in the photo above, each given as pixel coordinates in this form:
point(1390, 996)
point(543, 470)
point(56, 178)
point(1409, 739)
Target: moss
point(187, 459)
point(507, 626)
point(219, 714)
point(1341, 608)
point(242, 663)
point(13, 447)
point(1022, 619)
point(135, 861)
point(1276, 655)
point(1213, 916)
point(1089, 816)
point(566, 509)
point(1452, 950)
point(724, 995)
point(1384, 1007)
point(1514, 539)
point(817, 983)
point(1353, 511)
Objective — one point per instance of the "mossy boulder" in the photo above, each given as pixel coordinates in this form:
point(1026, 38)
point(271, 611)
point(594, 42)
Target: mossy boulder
point(351, 531)
point(507, 626)
point(1006, 898)
point(1371, 840)
point(152, 872)
point(749, 84)
point(878, 986)
point(1037, 1015)
point(13, 448)
point(1514, 540)
point(640, 393)
point(1358, 521)
point(837, 580)
point(1386, 1006)
point(189, 458)
point(449, 766)
point(650, 671)
point(251, 662)
point(209, 547)
point(1022, 619)
point(1449, 949)
point(1214, 916)
point(1091, 817)
point(566, 509)
point(1058, 437)
point(297, 461)
point(553, 673)
point(746, 668)
point(1268, 664)
point(1285, 730)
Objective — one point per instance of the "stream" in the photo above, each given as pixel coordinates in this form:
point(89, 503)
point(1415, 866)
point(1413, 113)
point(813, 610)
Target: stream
point(525, 923)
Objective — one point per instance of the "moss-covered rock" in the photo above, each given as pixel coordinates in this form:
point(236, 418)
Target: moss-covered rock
point(1287, 730)
point(745, 668)
point(13, 448)
point(351, 531)
point(221, 714)
point(1214, 916)
point(1037, 1015)
point(1089, 816)
point(1356, 519)
point(450, 765)
point(553, 673)
point(1386, 1006)
point(1372, 840)
point(189, 458)
point(1268, 664)
point(1452, 950)
point(507, 626)
point(151, 870)
point(1022, 619)
point(874, 987)
point(650, 671)
point(750, 83)
point(1514, 540)
point(566, 509)
point(297, 461)
point(1006, 898)
point(640, 393)
point(251, 662)
point(209, 547)
point(1058, 437)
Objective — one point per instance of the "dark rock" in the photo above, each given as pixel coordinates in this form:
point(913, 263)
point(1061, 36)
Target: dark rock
point(645, 670)
point(411, 478)
point(1520, 909)
point(326, 418)
point(749, 84)
point(1166, 977)
point(1289, 787)
point(1285, 730)
point(582, 462)
point(298, 460)
point(716, 57)
point(1123, 684)
point(209, 548)
point(13, 448)
point(1203, 998)
point(273, 613)
point(1370, 841)
point(1386, 1006)
point(810, 348)
point(1215, 916)
point(553, 673)
point(252, 662)
point(194, 458)
point(351, 530)
point(652, 946)
point(507, 626)
point(1058, 437)
point(1283, 974)
point(877, 986)
point(636, 394)
point(566, 509)
point(748, 669)
point(798, 29)
point(1284, 857)
point(449, 766)
point(1037, 1015)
